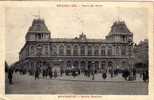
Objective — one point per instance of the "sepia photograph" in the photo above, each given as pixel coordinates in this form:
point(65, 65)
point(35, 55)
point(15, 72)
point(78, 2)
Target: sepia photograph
point(77, 48)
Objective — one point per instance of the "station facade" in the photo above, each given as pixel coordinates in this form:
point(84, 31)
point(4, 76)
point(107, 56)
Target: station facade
point(41, 50)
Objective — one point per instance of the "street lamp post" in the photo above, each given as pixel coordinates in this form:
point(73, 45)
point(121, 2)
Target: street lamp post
point(130, 44)
point(93, 71)
point(61, 69)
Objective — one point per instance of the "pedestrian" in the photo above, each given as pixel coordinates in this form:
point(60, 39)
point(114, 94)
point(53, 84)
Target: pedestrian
point(46, 73)
point(36, 74)
point(43, 73)
point(145, 76)
point(111, 72)
point(55, 74)
point(74, 74)
point(104, 75)
point(50, 74)
point(93, 75)
point(10, 75)
point(134, 73)
point(126, 74)
point(61, 72)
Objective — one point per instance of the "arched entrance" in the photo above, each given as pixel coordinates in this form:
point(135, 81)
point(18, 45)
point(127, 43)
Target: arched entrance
point(103, 65)
point(76, 64)
point(42, 65)
point(110, 65)
point(89, 65)
point(68, 64)
point(96, 64)
point(82, 65)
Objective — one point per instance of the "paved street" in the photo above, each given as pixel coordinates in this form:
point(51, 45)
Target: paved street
point(25, 84)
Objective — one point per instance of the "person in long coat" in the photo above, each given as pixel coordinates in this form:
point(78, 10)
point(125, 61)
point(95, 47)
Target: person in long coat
point(37, 74)
point(10, 75)
point(50, 73)
point(55, 74)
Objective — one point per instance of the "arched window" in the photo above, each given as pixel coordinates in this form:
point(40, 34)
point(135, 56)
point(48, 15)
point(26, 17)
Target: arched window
point(61, 50)
point(96, 64)
point(39, 36)
point(124, 64)
point(96, 51)
point(123, 50)
point(32, 50)
point(117, 51)
point(103, 50)
point(46, 50)
point(51, 50)
point(69, 64)
point(103, 65)
point(83, 65)
point(89, 50)
point(39, 50)
point(68, 50)
point(54, 50)
point(110, 64)
point(82, 50)
point(76, 64)
point(109, 51)
point(75, 50)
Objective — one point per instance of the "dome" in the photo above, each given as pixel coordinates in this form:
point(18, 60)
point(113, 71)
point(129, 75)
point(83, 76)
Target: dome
point(119, 27)
point(38, 26)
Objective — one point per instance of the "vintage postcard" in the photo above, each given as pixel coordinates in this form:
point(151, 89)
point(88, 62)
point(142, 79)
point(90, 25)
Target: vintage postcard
point(77, 50)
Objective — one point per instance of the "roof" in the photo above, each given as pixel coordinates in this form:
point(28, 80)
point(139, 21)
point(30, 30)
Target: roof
point(38, 26)
point(119, 27)
point(74, 40)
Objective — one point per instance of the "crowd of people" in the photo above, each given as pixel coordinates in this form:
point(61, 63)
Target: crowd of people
point(128, 75)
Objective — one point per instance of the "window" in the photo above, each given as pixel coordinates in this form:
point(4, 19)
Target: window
point(82, 50)
point(50, 50)
point(110, 64)
point(39, 50)
point(117, 51)
point(96, 51)
point(109, 51)
point(103, 50)
point(123, 38)
point(54, 50)
point(76, 64)
point(83, 65)
point(39, 36)
point(75, 50)
point(61, 50)
point(69, 64)
point(68, 50)
point(46, 50)
point(32, 50)
point(103, 65)
point(89, 50)
point(96, 64)
point(123, 50)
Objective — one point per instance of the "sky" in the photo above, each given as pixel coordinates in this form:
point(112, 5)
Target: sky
point(69, 22)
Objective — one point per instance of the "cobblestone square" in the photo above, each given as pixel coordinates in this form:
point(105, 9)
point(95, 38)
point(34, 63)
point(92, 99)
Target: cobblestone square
point(25, 84)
